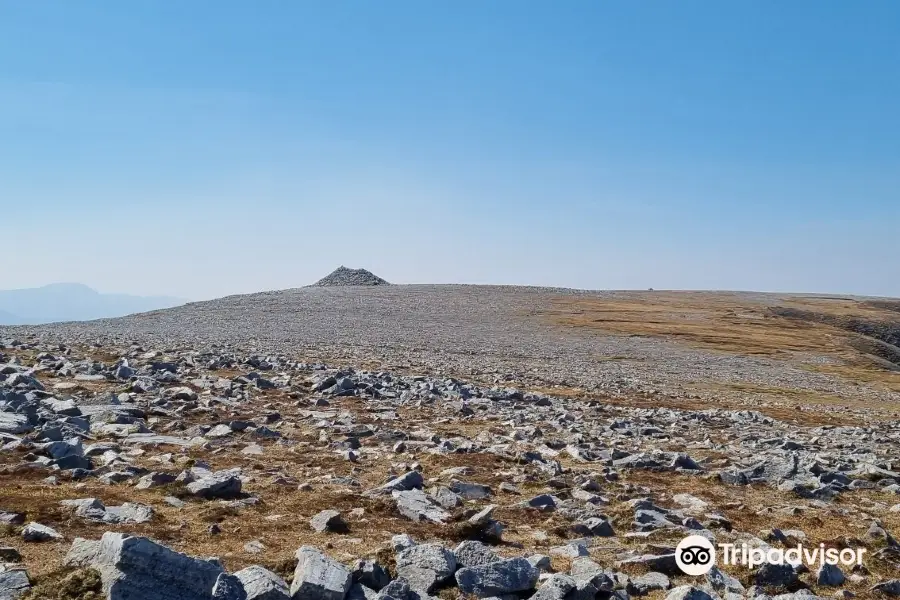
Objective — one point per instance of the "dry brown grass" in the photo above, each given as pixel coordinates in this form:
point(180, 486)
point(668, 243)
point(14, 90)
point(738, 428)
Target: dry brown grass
point(709, 320)
point(737, 324)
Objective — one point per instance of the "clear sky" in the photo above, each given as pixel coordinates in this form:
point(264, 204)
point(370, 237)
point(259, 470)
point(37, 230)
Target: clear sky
point(206, 147)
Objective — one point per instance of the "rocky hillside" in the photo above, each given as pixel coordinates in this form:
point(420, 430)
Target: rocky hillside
point(125, 467)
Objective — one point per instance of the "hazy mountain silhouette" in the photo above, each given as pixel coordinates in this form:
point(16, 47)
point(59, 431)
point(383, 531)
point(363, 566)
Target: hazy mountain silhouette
point(72, 302)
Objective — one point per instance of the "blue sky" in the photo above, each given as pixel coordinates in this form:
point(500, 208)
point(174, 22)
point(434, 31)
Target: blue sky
point(203, 148)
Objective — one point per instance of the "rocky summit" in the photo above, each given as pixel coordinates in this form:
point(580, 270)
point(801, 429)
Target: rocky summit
point(500, 447)
point(343, 276)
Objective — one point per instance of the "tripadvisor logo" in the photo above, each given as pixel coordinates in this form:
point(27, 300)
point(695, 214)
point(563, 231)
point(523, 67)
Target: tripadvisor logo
point(696, 555)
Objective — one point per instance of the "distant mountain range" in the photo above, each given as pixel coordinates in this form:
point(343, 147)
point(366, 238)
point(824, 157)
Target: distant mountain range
point(72, 302)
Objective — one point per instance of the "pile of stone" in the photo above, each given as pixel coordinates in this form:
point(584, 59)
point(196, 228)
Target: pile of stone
point(343, 276)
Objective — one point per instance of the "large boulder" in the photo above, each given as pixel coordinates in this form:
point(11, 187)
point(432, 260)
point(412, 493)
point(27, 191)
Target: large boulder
point(318, 577)
point(137, 568)
point(221, 484)
point(262, 584)
point(425, 566)
point(497, 579)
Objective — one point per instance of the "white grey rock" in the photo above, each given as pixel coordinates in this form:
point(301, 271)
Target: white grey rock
point(556, 587)
point(13, 584)
point(261, 584)
point(472, 553)
point(221, 484)
point(136, 568)
point(82, 553)
point(318, 577)
point(35, 532)
point(417, 506)
point(14, 423)
point(648, 582)
point(470, 491)
point(328, 520)
point(723, 582)
point(402, 541)
point(424, 566)
point(371, 574)
point(497, 579)
point(445, 497)
point(688, 592)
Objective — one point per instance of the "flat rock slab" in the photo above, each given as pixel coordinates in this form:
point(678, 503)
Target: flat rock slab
point(417, 506)
point(161, 440)
point(497, 579)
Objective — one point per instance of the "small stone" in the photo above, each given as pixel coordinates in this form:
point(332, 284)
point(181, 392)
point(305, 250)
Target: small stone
point(688, 592)
point(328, 520)
point(12, 518)
point(571, 550)
point(648, 582)
point(775, 575)
point(830, 575)
point(253, 450)
point(35, 532)
point(173, 501)
point(594, 527)
point(470, 491)
point(418, 506)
